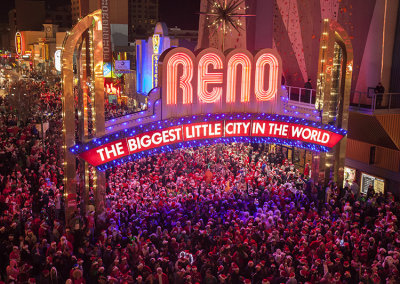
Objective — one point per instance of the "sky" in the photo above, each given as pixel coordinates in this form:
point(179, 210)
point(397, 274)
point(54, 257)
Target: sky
point(181, 13)
point(6, 5)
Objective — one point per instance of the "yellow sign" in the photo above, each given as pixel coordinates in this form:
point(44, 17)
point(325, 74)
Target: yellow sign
point(18, 43)
point(156, 43)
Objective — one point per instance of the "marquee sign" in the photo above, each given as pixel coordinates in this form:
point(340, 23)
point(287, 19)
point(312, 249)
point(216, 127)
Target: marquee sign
point(154, 59)
point(201, 130)
point(19, 46)
point(106, 27)
point(210, 81)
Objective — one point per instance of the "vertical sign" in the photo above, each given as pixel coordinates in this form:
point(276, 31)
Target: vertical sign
point(57, 60)
point(105, 12)
point(155, 57)
point(18, 43)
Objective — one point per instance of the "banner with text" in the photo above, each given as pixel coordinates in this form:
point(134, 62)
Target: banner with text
point(251, 128)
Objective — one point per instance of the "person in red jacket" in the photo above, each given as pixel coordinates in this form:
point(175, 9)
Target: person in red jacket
point(160, 277)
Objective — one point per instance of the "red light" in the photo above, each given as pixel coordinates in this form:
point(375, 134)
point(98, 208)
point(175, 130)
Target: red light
point(262, 61)
point(184, 81)
point(205, 78)
point(236, 60)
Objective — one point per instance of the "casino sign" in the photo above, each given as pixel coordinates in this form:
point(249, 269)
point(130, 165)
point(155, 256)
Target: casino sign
point(212, 97)
point(19, 44)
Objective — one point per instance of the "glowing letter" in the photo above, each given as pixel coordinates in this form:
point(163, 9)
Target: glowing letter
point(177, 59)
point(234, 61)
point(262, 61)
point(205, 78)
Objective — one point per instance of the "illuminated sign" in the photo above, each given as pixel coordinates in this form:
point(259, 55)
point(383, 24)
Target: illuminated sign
point(112, 90)
point(154, 69)
point(367, 180)
point(211, 81)
point(154, 59)
point(122, 65)
point(107, 70)
point(19, 47)
point(156, 43)
point(57, 60)
point(202, 130)
point(349, 176)
point(105, 12)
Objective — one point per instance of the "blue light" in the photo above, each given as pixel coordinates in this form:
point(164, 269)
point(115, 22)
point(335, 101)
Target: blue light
point(215, 117)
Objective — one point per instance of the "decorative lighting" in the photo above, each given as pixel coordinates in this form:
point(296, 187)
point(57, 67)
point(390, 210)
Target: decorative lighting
point(141, 129)
point(226, 14)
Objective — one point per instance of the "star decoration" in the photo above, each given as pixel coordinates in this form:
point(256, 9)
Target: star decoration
point(226, 14)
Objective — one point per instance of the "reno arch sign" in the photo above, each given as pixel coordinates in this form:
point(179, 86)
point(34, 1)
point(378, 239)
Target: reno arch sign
point(209, 81)
point(211, 97)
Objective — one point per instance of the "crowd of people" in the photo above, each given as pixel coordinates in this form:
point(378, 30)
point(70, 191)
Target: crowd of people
point(232, 213)
point(115, 110)
point(30, 176)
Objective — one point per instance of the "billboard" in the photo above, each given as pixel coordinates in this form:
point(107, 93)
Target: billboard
point(122, 65)
point(107, 70)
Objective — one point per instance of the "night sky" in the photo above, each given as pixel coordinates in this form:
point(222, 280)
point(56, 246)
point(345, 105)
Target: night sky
point(181, 13)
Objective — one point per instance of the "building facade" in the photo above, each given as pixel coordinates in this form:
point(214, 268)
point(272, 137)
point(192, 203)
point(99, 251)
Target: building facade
point(362, 39)
point(143, 16)
point(148, 52)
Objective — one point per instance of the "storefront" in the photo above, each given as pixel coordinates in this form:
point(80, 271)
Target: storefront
point(364, 180)
point(297, 156)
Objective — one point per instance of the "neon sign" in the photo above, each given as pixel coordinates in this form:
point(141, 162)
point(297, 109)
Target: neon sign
point(154, 59)
point(209, 81)
point(156, 43)
point(154, 69)
point(205, 78)
point(235, 60)
point(112, 90)
point(18, 44)
point(203, 130)
point(184, 82)
point(239, 59)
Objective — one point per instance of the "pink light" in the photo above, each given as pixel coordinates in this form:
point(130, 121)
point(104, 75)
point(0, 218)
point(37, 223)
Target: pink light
point(262, 61)
point(236, 60)
point(205, 78)
point(174, 61)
